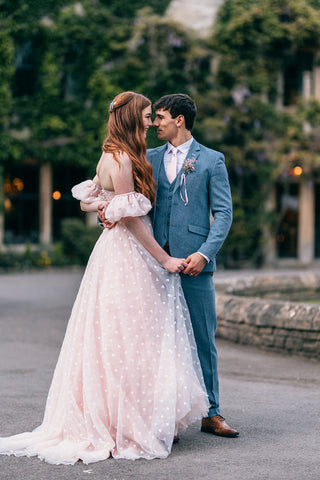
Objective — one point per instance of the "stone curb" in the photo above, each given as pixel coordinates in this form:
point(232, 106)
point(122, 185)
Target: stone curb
point(286, 326)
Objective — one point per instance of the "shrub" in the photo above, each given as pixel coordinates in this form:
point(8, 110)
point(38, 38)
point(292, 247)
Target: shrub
point(78, 239)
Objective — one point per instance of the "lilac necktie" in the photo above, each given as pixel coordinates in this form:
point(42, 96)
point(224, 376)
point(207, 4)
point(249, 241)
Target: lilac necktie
point(172, 165)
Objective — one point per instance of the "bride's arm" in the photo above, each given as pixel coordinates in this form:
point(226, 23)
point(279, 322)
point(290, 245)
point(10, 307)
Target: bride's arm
point(92, 207)
point(122, 179)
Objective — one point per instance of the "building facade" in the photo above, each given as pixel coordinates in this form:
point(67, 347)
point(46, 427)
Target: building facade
point(297, 200)
point(37, 196)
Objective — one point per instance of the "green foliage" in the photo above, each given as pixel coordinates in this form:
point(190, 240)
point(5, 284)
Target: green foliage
point(301, 143)
point(75, 248)
point(125, 8)
point(61, 63)
point(6, 73)
point(71, 59)
point(246, 132)
point(254, 41)
point(162, 59)
point(60, 51)
point(78, 239)
point(256, 36)
point(33, 258)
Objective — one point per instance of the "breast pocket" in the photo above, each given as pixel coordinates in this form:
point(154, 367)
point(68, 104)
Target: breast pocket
point(195, 180)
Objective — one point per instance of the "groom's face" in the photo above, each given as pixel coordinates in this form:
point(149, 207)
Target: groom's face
point(166, 125)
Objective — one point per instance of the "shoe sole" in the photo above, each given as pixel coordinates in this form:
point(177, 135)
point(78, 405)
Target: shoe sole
point(228, 435)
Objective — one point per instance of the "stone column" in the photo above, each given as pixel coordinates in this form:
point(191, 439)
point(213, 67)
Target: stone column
point(45, 203)
point(280, 90)
point(317, 83)
point(91, 219)
point(307, 85)
point(270, 247)
point(306, 226)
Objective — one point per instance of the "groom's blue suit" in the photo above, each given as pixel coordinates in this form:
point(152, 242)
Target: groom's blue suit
point(186, 229)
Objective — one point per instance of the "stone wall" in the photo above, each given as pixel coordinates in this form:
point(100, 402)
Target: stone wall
point(197, 17)
point(244, 317)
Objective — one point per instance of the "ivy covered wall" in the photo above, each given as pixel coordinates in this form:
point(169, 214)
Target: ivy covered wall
point(62, 62)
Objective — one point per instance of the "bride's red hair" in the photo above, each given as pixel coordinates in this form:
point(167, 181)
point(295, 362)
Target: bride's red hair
point(126, 134)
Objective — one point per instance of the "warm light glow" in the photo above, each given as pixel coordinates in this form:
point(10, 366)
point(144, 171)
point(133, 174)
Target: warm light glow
point(297, 171)
point(56, 195)
point(18, 184)
point(7, 186)
point(7, 204)
point(14, 187)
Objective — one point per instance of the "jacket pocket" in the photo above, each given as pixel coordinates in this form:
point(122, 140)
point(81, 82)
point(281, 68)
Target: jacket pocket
point(199, 230)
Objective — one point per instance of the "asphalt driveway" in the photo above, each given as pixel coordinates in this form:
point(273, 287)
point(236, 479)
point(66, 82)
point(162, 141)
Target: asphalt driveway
point(272, 399)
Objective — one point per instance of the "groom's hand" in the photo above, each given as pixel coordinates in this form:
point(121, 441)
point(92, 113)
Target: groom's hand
point(101, 215)
point(196, 264)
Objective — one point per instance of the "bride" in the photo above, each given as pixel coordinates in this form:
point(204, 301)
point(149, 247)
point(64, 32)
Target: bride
point(128, 377)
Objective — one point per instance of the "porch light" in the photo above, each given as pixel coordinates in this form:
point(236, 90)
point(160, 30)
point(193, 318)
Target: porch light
point(297, 171)
point(56, 195)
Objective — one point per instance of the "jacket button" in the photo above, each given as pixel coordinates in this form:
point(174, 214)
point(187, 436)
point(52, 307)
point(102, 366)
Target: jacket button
point(168, 224)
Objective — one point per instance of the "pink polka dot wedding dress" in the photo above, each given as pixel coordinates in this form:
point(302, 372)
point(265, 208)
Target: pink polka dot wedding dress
point(128, 377)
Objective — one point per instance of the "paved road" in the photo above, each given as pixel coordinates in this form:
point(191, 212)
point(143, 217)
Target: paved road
point(272, 399)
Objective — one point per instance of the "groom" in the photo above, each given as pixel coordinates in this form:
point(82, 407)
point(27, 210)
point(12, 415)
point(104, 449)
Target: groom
point(192, 181)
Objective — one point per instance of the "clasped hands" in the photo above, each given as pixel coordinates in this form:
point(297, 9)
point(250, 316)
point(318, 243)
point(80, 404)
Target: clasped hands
point(102, 215)
point(192, 266)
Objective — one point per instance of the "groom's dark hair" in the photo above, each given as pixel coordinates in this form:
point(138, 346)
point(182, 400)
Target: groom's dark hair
point(178, 104)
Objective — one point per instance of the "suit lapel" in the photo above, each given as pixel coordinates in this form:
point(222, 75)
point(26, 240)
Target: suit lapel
point(193, 152)
point(157, 160)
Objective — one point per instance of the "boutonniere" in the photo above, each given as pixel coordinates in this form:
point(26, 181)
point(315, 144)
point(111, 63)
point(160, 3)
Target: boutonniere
point(187, 167)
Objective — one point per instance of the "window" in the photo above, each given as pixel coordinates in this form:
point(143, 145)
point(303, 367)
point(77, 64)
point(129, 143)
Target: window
point(25, 76)
point(21, 204)
point(293, 76)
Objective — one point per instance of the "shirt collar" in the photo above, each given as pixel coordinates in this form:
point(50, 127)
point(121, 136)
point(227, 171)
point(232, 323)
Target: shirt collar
point(183, 148)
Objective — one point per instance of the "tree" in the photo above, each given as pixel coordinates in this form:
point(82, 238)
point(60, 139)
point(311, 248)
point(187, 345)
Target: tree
point(70, 60)
point(63, 64)
point(252, 42)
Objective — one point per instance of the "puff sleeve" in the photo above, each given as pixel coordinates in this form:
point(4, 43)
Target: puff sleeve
point(131, 204)
point(87, 191)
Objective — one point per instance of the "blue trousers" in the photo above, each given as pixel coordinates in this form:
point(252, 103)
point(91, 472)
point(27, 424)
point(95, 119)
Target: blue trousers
point(200, 297)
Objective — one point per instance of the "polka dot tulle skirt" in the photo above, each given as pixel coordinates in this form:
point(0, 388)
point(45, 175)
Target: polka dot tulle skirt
point(128, 377)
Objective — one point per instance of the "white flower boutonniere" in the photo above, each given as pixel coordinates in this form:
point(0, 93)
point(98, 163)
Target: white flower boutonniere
point(187, 167)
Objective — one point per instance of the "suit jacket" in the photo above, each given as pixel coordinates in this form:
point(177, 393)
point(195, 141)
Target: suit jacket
point(208, 191)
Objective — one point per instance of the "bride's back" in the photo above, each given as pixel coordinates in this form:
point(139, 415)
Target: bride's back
point(105, 166)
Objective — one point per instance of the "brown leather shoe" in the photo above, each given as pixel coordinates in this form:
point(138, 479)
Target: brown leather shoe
point(218, 426)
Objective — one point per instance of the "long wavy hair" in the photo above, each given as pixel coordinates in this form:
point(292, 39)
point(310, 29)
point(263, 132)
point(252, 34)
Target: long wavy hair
point(126, 134)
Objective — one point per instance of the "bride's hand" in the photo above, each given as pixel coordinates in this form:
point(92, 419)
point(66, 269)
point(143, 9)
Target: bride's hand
point(174, 265)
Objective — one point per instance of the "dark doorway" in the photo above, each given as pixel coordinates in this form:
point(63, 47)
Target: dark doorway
point(288, 217)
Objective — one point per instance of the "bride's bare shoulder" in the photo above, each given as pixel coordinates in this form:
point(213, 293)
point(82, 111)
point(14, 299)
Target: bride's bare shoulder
point(124, 159)
point(110, 166)
point(105, 159)
point(110, 160)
